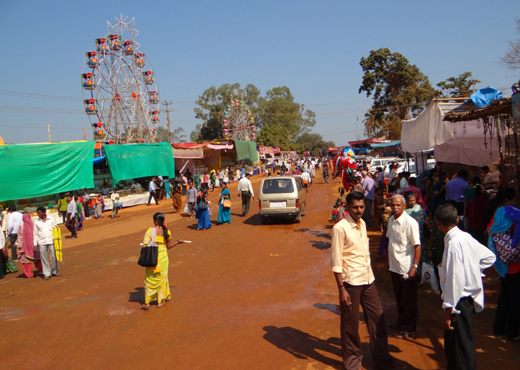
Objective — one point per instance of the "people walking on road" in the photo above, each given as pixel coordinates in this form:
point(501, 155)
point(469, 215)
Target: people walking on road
point(62, 206)
point(3, 255)
point(70, 224)
point(191, 198)
point(13, 223)
point(44, 241)
point(245, 191)
point(116, 204)
point(79, 213)
point(355, 280)
point(177, 197)
point(202, 211)
point(224, 208)
point(86, 197)
point(153, 192)
point(460, 272)
point(28, 252)
point(306, 180)
point(325, 172)
point(369, 188)
point(404, 252)
point(156, 285)
point(99, 206)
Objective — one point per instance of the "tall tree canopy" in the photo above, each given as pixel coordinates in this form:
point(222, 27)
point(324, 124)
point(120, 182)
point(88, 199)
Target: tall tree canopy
point(396, 86)
point(461, 86)
point(279, 119)
point(511, 59)
point(211, 105)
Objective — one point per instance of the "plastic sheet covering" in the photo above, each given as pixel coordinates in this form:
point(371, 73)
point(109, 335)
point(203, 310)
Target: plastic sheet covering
point(246, 149)
point(425, 131)
point(34, 170)
point(129, 161)
point(485, 96)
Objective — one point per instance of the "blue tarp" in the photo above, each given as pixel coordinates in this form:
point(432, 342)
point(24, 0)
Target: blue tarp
point(385, 145)
point(485, 96)
point(99, 159)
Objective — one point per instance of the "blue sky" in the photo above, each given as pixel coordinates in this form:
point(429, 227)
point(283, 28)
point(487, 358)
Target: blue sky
point(311, 46)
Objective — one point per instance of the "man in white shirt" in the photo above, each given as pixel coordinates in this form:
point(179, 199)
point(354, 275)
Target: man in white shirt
point(14, 221)
point(114, 197)
point(392, 179)
point(153, 193)
point(404, 252)
point(44, 240)
point(460, 274)
point(70, 223)
point(245, 190)
point(136, 186)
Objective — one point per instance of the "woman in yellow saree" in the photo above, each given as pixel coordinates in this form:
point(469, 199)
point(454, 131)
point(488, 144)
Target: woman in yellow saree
point(156, 285)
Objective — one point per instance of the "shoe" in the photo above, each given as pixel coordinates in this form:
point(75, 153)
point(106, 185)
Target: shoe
point(145, 307)
point(58, 274)
point(405, 334)
point(46, 277)
point(394, 325)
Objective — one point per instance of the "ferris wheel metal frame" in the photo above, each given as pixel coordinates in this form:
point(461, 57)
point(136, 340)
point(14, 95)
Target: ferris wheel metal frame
point(122, 97)
point(238, 122)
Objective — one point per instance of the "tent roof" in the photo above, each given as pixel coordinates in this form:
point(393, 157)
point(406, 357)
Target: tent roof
point(499, 106)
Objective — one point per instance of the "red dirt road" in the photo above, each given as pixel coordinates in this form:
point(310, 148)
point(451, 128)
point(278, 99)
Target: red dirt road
point(244, 296)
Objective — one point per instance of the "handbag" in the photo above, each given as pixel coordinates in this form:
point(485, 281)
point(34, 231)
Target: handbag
point(507, 252)
point(203, 206)
point(226, 203)
point(149, 253)
point(428, 276)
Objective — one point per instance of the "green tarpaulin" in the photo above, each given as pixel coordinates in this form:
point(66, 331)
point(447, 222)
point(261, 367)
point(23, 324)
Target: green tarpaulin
point(35, 170)
point(246, 149)
point(131, 161)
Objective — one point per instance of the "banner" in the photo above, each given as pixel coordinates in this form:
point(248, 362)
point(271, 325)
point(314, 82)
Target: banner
point(35, 170)
point(129, 161)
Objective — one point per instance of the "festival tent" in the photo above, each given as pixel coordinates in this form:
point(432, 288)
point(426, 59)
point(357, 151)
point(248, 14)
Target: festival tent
point(454, 142)
point(129, 161)
point(34, 170)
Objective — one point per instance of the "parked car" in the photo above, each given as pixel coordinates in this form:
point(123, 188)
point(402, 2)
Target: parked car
point(282, 196)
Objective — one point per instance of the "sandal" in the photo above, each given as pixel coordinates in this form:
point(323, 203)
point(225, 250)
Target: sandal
point(161, 304)
point(145, 307)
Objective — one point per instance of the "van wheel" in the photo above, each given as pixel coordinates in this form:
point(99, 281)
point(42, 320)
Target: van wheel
point(298, 218)
point(264, 220)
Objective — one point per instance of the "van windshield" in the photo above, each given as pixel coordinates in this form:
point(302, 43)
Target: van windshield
point(278, 186)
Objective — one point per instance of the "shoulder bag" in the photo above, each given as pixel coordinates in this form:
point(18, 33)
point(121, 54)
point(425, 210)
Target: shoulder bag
point(226, 203)
point(507, 252)
point(149, 253)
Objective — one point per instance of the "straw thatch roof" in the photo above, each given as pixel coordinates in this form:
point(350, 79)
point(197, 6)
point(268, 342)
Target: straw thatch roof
point(499, 106)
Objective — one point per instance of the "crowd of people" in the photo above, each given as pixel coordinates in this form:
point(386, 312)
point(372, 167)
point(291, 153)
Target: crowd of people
point(463, 228)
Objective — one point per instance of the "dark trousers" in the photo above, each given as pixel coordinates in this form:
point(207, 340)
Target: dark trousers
point(507, 316)
point(154, 195)
point(3, 270)
point(246, 200)
point(459, 344)
point(405, 292)
point(13, 238)
point(191, 208)
point(71, 225)
point(367, 297)
point(86, 210)
point(367, 215)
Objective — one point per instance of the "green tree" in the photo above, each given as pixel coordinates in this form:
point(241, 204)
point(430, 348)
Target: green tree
point(461, 86)
point(375, 123)
point(312, 142)
point(281, 119)
point(178, 135)
point(211, 105)
point(511, 59)
point(396, 86)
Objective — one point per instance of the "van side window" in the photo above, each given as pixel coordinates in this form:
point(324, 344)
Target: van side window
point(299, 184)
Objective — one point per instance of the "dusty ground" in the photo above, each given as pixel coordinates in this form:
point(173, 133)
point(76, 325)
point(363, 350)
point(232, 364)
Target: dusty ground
point(244, 296)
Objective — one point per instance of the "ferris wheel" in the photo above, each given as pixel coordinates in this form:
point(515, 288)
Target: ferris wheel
point(237, 122)
point(120, 92)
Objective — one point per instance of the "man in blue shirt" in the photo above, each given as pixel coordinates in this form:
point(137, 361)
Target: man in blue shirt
point(455, 190)
point(153, 193)
point(369, 192)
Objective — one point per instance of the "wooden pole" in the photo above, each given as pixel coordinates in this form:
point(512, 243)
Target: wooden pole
point(49, 132)
point(84, 133)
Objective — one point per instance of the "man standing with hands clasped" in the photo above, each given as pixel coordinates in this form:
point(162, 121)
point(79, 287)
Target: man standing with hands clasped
point(460, 274)
point(245, 188)
point(404, 252)
point(355, 280)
